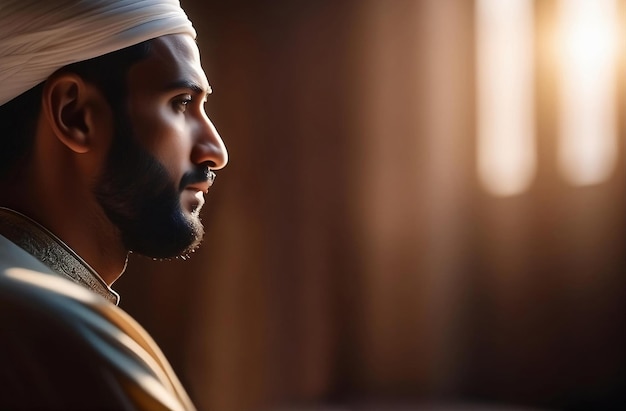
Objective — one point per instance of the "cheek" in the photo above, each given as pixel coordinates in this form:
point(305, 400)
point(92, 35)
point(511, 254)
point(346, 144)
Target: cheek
point(165, 135)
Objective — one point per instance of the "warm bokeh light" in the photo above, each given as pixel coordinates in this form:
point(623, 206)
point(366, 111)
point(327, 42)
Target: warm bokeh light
point(586, 48)
point(506, 137)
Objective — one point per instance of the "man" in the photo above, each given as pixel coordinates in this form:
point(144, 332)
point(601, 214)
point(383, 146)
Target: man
point(105, 149)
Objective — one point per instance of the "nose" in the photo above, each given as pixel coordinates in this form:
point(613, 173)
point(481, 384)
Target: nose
point(209, 147)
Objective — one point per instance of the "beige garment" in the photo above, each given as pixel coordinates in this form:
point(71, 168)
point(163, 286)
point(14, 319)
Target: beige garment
point(63, 346)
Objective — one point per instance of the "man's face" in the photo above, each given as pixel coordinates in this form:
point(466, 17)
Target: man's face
point(160, 162)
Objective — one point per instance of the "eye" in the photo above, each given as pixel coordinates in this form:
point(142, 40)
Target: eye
point(180, 103)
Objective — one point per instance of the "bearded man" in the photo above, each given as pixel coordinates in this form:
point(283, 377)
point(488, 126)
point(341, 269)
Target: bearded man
point(105, 149)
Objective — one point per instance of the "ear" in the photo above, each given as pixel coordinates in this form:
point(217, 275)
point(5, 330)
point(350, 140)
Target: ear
point(73, 109)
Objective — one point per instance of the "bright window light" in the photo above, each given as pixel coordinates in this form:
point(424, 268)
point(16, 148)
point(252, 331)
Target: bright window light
point(587, 48)
point(505, 81)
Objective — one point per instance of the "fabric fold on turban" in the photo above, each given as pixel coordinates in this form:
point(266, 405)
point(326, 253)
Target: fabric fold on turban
point(37, 37)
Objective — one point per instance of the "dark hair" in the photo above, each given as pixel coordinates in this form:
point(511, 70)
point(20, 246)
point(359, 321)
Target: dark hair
point(18, 117)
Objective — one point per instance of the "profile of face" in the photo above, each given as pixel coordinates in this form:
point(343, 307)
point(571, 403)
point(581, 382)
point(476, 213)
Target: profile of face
point(162, 155)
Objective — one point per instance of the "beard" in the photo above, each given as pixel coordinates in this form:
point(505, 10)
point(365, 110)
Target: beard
point(141, 199)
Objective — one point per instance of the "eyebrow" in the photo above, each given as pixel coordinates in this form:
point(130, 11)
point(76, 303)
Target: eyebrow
point(190, 85)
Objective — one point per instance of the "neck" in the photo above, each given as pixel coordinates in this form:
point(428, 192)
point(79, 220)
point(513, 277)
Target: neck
point(41, 244)
point(85, 234)
point(62, 201)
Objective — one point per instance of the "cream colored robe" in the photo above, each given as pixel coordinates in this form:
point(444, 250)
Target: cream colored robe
point(63, 347)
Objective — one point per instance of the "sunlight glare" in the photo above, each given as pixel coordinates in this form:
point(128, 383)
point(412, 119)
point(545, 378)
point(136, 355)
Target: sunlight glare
point(505, 97)
point(586, 47)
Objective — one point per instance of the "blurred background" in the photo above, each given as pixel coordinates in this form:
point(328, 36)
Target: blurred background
point(425, 206)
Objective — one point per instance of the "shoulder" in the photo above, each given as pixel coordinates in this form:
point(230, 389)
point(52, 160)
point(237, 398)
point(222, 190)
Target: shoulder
point(48, 362)
point(65, 347)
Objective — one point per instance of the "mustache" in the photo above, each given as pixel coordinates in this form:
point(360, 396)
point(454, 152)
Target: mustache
point(197, 175)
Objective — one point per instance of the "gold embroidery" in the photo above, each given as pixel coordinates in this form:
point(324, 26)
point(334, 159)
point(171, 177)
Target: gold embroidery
point(52, 251)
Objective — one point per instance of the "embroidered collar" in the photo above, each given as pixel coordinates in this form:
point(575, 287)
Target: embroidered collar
point(52, 251)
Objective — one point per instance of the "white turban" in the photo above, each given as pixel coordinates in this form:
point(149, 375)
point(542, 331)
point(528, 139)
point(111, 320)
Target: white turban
point(37, 37)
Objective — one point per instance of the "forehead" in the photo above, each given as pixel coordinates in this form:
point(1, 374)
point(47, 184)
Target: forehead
point(173, 60)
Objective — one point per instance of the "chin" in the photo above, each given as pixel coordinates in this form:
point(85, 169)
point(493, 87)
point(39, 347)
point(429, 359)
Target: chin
point(176, 235)
point(195, 223)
